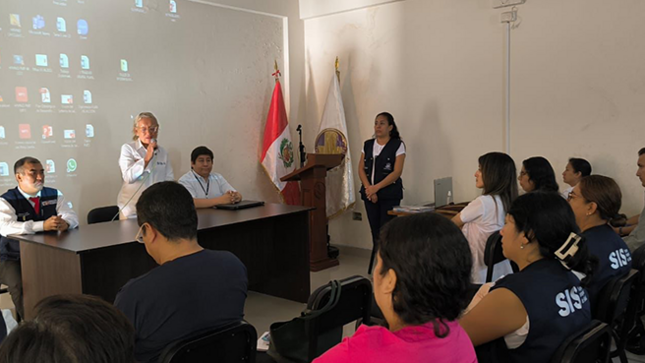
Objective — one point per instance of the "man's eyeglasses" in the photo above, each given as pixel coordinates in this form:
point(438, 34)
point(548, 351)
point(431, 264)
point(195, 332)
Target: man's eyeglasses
point(139, 236)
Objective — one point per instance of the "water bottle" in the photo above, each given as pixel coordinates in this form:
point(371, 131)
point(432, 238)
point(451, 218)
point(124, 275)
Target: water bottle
point(449, 198)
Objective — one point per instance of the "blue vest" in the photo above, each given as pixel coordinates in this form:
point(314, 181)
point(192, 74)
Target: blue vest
point(556, 304)
point(614, 258)
point(10, 248)
point(383, 166)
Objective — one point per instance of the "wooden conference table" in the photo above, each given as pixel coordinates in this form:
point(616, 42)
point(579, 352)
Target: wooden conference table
point(272, 241)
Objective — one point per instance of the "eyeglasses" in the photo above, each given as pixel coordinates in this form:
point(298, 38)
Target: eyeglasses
point(139, 236)
point(152, 129)
point(522, 173)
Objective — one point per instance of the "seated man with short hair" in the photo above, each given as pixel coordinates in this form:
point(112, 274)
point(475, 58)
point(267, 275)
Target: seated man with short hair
point(29, 208)
point(207, 188)
point(193, 290)
point(634, 232)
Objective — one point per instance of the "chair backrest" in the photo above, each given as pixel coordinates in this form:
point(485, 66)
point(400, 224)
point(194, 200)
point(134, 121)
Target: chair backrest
point(493, 253)
point(231, 344)
point(102, 214)
point(355, 303)
point(614, 298)
point(589, 345)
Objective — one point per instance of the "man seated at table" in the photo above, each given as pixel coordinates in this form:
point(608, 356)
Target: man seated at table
point(634, 231)
point(193, 290)
point(29, 208)
point(207, 188)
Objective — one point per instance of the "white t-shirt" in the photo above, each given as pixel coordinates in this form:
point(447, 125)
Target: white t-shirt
point(376, 151)
point(482, 217)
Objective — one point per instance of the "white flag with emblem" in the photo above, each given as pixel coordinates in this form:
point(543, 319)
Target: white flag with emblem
point(332, 139)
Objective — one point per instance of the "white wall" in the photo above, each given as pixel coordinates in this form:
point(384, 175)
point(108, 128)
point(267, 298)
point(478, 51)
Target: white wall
point(438, 67)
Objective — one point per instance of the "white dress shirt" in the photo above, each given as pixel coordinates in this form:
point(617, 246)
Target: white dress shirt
point(136, 177)
point(200, 188)
point(9, 223)
point(565, 193)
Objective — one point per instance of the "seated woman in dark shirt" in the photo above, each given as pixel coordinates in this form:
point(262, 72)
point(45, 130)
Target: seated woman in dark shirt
point(527, 315)
point(595, 200)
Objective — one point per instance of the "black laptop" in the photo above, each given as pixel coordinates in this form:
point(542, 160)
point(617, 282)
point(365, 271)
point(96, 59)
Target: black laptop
point(241, 205)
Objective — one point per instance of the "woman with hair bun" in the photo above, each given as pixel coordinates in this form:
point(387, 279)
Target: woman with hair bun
point(596, 200)
point(527, 315)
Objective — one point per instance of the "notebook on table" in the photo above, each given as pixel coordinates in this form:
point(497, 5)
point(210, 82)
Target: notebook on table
point(241, 205)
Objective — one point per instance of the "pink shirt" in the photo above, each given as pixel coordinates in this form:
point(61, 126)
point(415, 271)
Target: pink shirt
point(412, 344)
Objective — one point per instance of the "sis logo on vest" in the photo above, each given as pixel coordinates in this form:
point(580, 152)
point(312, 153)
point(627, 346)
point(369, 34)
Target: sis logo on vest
point(620, 258)
point(570, 300)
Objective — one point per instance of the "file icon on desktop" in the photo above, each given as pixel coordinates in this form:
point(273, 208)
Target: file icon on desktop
point(64, 61)
point(24, 131)
point(50, 166)
point(21, 95)
point(85, 62)
point(67, 99)
point(45, 96)
point(89, 130)
point(14, 19)
point(87, 97)
point(4, 169)
point(124, 65)
point(41, 60)
point(61, 25)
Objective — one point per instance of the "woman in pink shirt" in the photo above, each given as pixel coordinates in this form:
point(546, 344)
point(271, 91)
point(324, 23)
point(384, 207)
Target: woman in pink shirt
point(421, 283)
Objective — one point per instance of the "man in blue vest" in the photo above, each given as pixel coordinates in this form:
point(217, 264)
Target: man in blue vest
point(29, 208)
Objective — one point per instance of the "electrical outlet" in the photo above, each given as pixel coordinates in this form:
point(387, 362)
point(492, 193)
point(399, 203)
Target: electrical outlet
point(357, 216)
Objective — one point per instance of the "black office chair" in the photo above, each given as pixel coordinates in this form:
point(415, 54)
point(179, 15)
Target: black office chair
point(231, 344)
point(326, 330)
point(102, 214)
point(636, 336)
point(493, 254)
point(589, 345)
point(617, 309)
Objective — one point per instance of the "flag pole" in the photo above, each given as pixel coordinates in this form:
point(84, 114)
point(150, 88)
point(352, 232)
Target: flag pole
point(336, 65)
point(276, 74)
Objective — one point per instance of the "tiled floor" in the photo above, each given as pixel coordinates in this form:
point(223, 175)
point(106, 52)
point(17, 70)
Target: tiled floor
point(262, 310)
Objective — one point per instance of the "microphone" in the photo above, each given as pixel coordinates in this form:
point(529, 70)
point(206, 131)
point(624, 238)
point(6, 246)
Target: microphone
point(154, 141)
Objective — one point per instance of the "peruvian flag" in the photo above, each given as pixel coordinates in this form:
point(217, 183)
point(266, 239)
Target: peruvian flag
point(277, 149)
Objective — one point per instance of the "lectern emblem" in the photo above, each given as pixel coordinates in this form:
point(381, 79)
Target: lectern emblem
point(286, 153)
point(331, 141)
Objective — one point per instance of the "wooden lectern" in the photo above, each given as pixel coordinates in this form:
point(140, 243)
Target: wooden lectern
point(312, 182)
